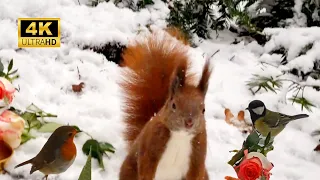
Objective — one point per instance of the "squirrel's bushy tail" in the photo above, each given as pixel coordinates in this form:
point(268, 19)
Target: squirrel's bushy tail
point(152, 62)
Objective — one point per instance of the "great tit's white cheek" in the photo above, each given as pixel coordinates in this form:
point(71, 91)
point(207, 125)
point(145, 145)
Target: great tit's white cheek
point(258, 110)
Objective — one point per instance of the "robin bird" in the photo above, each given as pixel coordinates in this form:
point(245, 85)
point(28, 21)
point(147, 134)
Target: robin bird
point(58, 153)
point(265, 121)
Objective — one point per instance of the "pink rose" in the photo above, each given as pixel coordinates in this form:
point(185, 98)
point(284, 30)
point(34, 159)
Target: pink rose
point(253, 166)
point(6, 89)
point(11, 128)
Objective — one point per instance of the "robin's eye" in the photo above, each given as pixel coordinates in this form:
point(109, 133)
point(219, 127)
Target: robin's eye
point(70, 134)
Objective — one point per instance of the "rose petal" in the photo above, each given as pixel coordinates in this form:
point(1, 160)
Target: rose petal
point(17, 126)
point(9, 96)
point(249, 170)
point(12, 138)
point(230, 178)
point(3, 119)
point(2, 90)
point(11, 116)
point(9, 121)
point(7, 84)
point(255, 160)
point(266, 164)
point(5, 125)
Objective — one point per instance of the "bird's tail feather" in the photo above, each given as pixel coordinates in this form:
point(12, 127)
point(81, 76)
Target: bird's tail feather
point(24, 163)
point(295, 117)
point(299, 116)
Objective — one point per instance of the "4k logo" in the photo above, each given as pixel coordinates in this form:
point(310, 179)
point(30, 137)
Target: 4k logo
point(38, 32)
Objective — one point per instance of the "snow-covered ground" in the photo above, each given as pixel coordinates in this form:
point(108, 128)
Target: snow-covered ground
point(46, 76)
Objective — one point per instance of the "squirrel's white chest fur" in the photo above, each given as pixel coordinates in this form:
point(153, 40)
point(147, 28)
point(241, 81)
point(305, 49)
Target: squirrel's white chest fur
point(175, 160)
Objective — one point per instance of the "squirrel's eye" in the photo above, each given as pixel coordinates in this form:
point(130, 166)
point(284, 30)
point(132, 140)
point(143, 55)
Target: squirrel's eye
point(203, 110)
point(173, 105)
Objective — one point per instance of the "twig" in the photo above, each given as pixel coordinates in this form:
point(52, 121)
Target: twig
point(231, 59)
point(296, 95)
point(268, 64)
point(292, 86)
point(79, 73)
point(18, 89)
point(294, 82)
point(215, 53)
point(302, 92)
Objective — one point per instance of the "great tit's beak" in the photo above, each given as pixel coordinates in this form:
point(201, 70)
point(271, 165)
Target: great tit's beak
point(247, 109)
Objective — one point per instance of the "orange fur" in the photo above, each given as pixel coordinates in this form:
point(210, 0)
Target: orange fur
point(153, 66)
point(177, 33)
point(159, 77)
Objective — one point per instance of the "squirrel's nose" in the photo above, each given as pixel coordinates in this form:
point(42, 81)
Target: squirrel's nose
point(189, 123)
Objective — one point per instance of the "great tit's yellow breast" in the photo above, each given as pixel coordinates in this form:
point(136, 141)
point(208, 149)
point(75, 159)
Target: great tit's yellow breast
point(264, 129)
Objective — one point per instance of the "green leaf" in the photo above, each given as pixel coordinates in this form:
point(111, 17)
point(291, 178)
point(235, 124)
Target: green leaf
point(235, 158)
point(252, 139)
point(86, 170)
point(2, 74)
point(266, 142)
point(32, 120)
point(49, 127)
point(1, 67)
point(107, 147)
point(264, 82)
point(263, 177)
point(234, 150)
point(25, 137)
point(96, 150)
point(13, 72)
point(10, 65)
point(305, 103)
point(33, 108)
point(255, 148)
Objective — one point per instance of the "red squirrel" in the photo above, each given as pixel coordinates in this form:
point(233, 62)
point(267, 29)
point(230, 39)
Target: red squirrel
point(164, 112)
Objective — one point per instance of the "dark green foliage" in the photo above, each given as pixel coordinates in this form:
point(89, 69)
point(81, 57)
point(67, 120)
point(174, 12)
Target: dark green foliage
point(97, 149)
point(277, 12)
point(126, 3)
point(314, 72)
point(135, 6)
point(310, 9)
point(9, 75)
point(231, 9)
point(194, 16)
point(112, 51)
point(252, 145)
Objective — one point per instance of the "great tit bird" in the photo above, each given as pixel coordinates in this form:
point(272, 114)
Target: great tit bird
point(265, 121)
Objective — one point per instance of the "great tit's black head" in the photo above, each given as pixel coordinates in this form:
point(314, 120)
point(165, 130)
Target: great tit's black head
point(257, 109)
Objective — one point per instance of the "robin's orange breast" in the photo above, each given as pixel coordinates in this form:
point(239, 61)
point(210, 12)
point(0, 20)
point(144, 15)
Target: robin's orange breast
point(68, 150)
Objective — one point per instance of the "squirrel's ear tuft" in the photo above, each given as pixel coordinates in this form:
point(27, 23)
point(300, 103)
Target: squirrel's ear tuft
point(178, 79)
point(204, 81)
